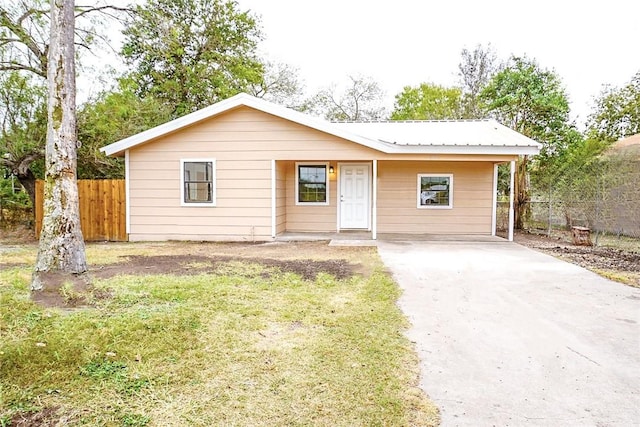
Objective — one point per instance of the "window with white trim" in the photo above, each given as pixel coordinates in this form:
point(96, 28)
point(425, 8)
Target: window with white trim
point(312, 183)
point(435, 190)
point(198, 182)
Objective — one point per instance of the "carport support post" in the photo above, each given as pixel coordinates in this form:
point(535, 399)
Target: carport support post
point(374, 203)
point(273, 199)
point(511, 184)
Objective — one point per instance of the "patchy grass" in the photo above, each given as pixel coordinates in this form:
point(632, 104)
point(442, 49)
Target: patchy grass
point(624, 243)
point(246, 344)
point(626, 277)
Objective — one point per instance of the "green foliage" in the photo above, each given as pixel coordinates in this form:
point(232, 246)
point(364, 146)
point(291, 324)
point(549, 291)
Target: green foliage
point(616, 113)
point(15, 204)
point(192, 53)
point(102, 369)
point(111, 117)
point(12, 195)
point(532, 101)
point(23, 119)
point(428, 102)
point(135, 420)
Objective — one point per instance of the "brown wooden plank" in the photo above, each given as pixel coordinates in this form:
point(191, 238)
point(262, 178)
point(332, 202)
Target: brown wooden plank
point(39, 207)
point(122, 211)
point(84, 208)
point(102, 209)
point(107, 210)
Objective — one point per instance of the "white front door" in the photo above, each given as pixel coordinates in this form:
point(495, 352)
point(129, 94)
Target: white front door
point(354, 196)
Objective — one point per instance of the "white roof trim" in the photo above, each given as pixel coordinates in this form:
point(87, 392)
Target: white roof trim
point(520, 145)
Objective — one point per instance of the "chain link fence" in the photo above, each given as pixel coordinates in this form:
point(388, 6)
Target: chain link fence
point(601, 216)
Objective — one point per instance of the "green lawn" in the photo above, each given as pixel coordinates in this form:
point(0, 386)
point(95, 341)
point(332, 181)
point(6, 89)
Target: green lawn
point(244, 344)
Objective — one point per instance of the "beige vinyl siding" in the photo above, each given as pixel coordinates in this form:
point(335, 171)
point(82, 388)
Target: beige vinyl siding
point(281, 197)
point(244, 142)
point(472, 198)
point(311, 218)
point(243, 200)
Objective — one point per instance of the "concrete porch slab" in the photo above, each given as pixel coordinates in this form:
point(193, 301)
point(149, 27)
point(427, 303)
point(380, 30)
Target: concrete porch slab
point(364, 238)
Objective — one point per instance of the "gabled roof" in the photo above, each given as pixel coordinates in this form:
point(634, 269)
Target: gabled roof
point(429, 137)
point(628, 141)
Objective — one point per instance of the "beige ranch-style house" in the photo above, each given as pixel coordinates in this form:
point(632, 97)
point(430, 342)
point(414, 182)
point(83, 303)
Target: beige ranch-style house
point(245, 169)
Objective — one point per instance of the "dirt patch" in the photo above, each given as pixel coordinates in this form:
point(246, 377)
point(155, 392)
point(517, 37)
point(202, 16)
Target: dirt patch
point(47, 417)
point(17, 235)
point(304, 259)
point(67, 291)
point(612, 260)
point(199, 264)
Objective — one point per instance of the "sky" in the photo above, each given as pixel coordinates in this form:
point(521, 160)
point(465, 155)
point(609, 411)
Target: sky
point(406, 42)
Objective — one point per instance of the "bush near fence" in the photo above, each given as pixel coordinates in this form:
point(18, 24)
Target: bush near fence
point(15, 206)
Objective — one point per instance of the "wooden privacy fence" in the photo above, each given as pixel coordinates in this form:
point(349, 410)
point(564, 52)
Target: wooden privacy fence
point(102, 209)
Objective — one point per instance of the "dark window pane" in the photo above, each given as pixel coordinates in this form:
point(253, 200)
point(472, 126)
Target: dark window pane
point(434, 190)
point(312, 184)
point(198, 182)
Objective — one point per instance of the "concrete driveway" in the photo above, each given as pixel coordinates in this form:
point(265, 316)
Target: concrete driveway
point(508, 336)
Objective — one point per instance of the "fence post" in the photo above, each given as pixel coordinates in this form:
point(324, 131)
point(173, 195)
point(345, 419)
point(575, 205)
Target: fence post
point(512, 172)
point(550, 209)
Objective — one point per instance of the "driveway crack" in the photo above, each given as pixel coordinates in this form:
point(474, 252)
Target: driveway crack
point(586, 357)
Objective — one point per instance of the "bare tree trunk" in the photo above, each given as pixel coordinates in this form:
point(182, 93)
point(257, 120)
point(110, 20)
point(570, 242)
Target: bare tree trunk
point(20, 169)
point(61, 244)
point(522, 209)
point(28, 181)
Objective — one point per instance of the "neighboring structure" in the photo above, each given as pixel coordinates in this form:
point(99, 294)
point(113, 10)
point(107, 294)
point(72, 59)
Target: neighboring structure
point(247, 169)
point(629, 146)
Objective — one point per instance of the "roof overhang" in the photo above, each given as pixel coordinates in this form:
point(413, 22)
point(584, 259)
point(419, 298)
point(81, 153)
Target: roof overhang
point(375, 135)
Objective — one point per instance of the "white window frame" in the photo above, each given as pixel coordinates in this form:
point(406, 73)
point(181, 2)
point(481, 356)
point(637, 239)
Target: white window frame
point(438, 175)
point(327, 183)
point(214, 188)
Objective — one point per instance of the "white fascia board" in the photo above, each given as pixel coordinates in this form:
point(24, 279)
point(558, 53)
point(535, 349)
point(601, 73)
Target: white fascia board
point(462, 149)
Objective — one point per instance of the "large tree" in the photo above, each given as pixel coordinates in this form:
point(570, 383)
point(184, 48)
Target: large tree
point(359, 100)
point(23, 124)
point(61, 246)
point(428, 102)
point(192, 53)
point(279, 84)
point(475, 70)
point(25, 26)
point(616, 113)
point(111, 116)
point(532, 101)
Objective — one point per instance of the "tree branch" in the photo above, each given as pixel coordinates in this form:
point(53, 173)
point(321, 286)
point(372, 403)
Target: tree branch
point(18, 30)
point(101, 9)
point(30, 12)
point(14, 66)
